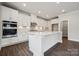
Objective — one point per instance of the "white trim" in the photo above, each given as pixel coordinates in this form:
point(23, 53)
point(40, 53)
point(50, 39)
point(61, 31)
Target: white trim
point(76, 40)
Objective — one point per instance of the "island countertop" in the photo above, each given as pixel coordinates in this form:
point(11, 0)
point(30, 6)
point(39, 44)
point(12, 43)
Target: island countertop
point(44, 33)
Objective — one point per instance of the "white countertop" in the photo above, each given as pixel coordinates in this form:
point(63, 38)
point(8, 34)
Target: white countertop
point(43, 33)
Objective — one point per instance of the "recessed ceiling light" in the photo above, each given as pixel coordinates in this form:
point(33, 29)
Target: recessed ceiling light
point(58, 2)
point(24, 4)
point(38, 11)
point(63, 10)
point(46, 15)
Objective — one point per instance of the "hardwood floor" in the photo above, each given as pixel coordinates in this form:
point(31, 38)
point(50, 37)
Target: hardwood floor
point(21, 49)
point(67, 48)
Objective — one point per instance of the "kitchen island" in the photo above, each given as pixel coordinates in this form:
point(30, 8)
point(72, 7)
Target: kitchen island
point(40, 42)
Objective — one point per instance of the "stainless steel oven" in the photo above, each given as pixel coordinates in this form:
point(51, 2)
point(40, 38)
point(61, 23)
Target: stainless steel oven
point(9, 29)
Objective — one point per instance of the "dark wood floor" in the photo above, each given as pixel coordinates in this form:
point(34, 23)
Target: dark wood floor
point(67, 48)
point(21, 49)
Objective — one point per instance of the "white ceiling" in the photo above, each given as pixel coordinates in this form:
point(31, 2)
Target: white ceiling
point(52, 9)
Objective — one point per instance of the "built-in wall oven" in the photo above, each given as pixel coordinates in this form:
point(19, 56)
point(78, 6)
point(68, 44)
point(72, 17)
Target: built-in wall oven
point(9, 29)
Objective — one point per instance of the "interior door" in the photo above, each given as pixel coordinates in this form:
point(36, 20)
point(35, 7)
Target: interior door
point(65, 28)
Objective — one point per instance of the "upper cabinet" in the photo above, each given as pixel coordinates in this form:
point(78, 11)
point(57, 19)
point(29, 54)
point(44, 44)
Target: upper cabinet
point(24, 19)
point(8, 14)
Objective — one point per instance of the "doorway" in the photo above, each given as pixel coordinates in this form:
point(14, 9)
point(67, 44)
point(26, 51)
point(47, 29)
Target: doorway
point(54, 27)
point(64, 29)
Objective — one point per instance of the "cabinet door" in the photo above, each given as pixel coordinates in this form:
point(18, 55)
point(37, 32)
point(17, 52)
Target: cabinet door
point(5, 13)
point(23, 19)
point(14, 15)
point(8, 41)
point(8, 14)
point(20, 19)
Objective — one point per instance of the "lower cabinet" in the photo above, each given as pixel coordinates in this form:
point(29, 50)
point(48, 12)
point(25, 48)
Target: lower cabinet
point(11, 41)
point(7, 41)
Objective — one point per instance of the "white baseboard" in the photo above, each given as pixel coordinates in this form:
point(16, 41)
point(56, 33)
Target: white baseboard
point(76, 40)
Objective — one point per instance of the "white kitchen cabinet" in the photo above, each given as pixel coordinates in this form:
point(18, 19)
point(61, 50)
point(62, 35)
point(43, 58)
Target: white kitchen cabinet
point(14, 15)
point(8, 41)
point(8, 14)
point(24, 20)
